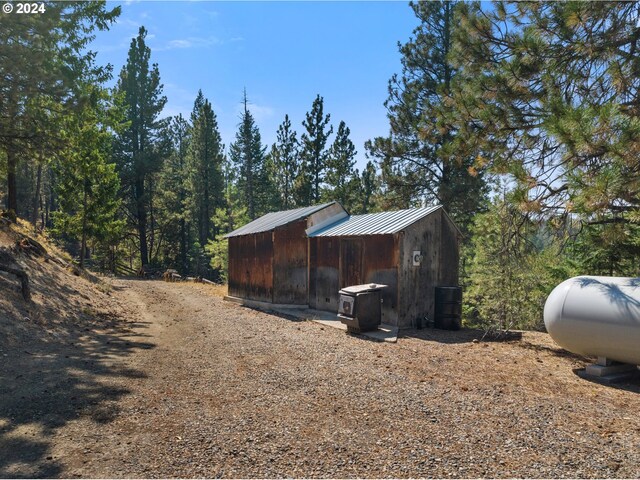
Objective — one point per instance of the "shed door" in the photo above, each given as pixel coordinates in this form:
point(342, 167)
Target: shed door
point(350, 262)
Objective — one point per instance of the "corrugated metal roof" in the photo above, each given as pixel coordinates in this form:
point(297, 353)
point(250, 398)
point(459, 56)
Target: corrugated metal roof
point(276, 219)
point(375, 223)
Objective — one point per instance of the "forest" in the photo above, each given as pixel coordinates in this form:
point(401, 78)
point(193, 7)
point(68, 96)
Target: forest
point(521, 118)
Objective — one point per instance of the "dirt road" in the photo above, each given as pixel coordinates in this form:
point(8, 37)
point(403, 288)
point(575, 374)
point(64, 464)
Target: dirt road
point(182, 384)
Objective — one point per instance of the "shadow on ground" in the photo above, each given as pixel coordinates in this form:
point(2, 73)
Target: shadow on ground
point(555, 351)
point(629, 385)
point(465, 335)
point(45, 385)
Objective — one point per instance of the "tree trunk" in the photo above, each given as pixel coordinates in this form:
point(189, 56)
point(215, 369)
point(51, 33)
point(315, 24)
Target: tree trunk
point(12, 197)
point(83, 246)
point(205, 216)
point(152, 226)
point(50, 203)
point(24, 280)
point(36, 198)
point(183, 246)
point(142, 222)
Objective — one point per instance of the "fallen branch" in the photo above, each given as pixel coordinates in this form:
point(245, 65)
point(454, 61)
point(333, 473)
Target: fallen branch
point(24, 279)
point(32, 246)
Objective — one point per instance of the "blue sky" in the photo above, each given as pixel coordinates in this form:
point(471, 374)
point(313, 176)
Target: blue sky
point(284, 53)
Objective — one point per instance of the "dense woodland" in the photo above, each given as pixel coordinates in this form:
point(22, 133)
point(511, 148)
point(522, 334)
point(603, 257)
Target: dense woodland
point(521, 118)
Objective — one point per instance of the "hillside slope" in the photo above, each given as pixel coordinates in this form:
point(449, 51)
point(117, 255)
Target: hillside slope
point(61, 299)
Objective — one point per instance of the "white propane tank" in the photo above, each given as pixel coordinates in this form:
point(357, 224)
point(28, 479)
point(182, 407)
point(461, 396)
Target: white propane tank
point(596, 316)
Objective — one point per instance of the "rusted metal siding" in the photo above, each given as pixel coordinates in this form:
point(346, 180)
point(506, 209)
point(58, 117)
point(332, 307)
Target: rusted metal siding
point(324, 268)
point(351, 258)
point(437, 238)
point(290, 264)
point(380, 265)
point(285, 266)
point(250, 266)
point(338, 262)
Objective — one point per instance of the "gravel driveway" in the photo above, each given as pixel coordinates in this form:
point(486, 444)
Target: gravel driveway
point(188, 385)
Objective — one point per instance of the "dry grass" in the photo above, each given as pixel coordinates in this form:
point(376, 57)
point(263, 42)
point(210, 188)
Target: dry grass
point(218, 290)
point(25, 229)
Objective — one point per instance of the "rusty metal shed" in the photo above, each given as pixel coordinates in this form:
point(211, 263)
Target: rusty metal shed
point(412, 251)
point(268, 258)
point(305, 256)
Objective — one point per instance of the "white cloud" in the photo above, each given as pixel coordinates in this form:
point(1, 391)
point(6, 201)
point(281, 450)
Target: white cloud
point(190, 42)
point(259, 112)
point(179, 44)
point(127, 22)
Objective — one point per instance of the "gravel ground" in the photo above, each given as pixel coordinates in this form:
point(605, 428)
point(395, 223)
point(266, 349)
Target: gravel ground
point(187, 385)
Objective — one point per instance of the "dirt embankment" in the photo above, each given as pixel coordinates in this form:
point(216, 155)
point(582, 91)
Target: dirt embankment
point(152, 379)
point(51, 348)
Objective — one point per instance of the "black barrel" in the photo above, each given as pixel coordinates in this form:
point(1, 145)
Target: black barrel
point(448, 314)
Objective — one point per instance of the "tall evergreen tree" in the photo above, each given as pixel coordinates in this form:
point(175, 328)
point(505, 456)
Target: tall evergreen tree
point(175, 196)
point(137, 147)
point(205, 158)
point(340, 171)
point(370, 188)
point(512, 268)
point(283, 164)
point(313, 154)
point(548, 93)
point(44, 60)
point(227, 219)
point(248, 155)
point(418, 163)
point(86, 183)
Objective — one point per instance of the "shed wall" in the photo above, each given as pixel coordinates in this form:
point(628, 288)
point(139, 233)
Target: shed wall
point(290, 264)
point(324, 266)
point(450, 253)
point(250, 266)
point(417, 282)
point(285, 266)
point(380, 265)
point(338, 262)
point(436, 238)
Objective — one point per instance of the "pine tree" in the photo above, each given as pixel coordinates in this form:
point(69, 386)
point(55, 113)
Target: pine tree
point(418, 163)
point(369, 182)
point(174, 197)
point(514, 265)
point(44, 61)
point(283, 164)
point(340, 172)
point(248, 155)
point(138, 147)
point(205, 165)
point(87, 185)
point(313, 154)
point(547, 94)
point(232, 216)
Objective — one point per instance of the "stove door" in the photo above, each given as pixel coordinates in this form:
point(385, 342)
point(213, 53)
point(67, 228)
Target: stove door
point(346, 306)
